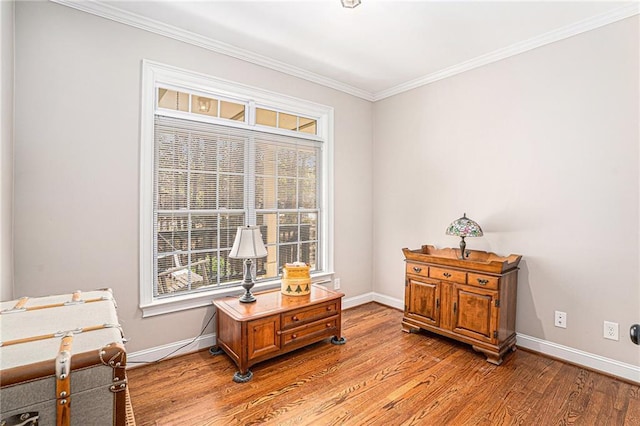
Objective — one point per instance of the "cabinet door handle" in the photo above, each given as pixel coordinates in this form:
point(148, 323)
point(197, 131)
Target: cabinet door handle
point(437, 303)
point(455, 306)
point(482, 282)
point(446, 274)
point(294, 318)
point(416, 269)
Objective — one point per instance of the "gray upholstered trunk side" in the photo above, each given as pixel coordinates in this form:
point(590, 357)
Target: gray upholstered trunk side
point(91, 400)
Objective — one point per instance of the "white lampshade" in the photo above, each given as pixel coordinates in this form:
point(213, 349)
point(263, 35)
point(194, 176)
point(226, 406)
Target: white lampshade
point(248, 244)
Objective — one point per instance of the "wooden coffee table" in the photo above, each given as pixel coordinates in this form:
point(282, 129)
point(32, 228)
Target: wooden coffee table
point(275, 324)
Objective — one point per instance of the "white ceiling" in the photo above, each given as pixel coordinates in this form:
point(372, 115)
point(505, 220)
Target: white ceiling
point(380, 48)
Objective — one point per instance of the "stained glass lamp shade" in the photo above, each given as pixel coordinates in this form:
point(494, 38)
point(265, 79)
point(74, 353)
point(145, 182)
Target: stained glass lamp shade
point(464, 227)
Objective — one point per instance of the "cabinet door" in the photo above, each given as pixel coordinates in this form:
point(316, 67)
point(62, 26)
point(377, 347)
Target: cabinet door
point(263, 336)
point(423, 300)
point(475, 313)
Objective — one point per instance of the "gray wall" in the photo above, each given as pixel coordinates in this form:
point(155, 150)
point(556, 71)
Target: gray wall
point(77, 125)
point(6, 150)
point(542, 150)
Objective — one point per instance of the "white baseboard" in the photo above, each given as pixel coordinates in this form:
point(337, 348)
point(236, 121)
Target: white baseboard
point(388, 301)
point(565, 353)
point(351, 302)
point(183, 347)
point(578, 357)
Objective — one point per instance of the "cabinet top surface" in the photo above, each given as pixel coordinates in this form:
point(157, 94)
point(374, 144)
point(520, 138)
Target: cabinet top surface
point(476, 260)
point(273, 302)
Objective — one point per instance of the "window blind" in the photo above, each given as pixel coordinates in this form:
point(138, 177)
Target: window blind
point(208, 180)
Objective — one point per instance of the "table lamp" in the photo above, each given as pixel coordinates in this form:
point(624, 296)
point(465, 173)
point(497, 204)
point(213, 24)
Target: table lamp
point(248, 245)
point(464, 227)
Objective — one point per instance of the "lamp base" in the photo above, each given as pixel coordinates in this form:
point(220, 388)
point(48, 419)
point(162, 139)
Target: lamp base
point(247, 297)
point(247, 284)
point(463, 248)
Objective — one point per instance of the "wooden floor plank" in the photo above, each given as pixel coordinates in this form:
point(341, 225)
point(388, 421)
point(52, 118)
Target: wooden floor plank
point(632, 414)
point(381, 376)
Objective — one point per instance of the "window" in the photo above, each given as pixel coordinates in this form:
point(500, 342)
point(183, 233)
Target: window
point(211, 162)
point(282, 120)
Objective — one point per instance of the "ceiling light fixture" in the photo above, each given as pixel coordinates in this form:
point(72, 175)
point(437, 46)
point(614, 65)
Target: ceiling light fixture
point(350, 4)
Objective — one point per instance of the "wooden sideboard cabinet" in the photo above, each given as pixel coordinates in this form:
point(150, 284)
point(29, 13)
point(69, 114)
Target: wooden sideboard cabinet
point(275, 324)
point(471, 300)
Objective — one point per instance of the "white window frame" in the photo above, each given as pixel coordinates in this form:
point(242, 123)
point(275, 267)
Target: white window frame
point(154, 73)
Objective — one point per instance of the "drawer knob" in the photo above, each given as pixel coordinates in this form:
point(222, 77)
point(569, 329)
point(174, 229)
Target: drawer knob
point(328, 325)
point(416, 269)
point(293, 336)
point(329, 308)
point(294, 318)
point(446, 274)
point(482, 282)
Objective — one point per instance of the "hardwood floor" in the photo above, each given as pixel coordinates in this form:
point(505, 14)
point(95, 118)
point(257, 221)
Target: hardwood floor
point(381, 376)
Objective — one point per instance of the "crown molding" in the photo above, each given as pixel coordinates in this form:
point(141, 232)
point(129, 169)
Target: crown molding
point(515, 49)
point(98, 8)
point(124, 17)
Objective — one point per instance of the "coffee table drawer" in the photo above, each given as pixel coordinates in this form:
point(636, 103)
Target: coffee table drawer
point(315, 331)
point(306, 315)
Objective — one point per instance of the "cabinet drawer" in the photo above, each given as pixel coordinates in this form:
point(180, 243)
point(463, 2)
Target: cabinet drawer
point(417, 269)
point(310, 314)
point(315, 331)
point(448, 274)
point(484, 281)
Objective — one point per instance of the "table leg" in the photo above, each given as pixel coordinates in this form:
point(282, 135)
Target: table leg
point(338, 340)
point(242, 378)
point(215, 350)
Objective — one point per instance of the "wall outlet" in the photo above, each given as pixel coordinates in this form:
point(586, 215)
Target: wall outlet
point(336, 284)
point(611, 330)
point(561, 319)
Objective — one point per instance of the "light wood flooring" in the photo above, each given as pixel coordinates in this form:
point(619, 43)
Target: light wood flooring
point(381, 376)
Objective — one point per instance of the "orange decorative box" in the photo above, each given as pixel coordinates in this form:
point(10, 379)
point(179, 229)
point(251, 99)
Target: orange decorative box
point(296, 280)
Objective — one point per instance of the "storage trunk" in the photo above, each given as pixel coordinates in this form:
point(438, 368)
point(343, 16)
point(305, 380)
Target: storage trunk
point(62, 361)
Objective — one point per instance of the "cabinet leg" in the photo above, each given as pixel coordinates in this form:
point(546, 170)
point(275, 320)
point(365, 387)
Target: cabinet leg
point(493, 358)
point(409, 329)
point(338, 340)
point(242, 378)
